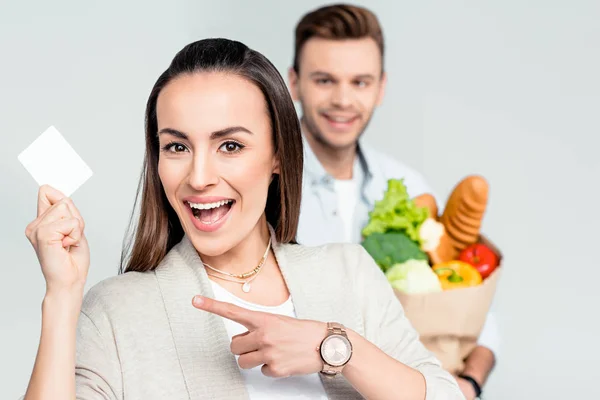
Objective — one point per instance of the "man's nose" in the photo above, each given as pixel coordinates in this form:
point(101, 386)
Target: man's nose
point(203, 173)
point(342, 96)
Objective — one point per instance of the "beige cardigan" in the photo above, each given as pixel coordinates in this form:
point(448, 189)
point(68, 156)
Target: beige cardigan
point(139, 337)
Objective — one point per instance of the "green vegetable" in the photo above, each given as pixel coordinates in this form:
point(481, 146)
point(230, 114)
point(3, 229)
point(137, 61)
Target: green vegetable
point(414, 276)
point(396, 212)
point(392, 248)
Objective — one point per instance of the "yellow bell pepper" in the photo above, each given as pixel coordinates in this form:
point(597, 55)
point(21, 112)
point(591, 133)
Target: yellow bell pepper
point(457, 274)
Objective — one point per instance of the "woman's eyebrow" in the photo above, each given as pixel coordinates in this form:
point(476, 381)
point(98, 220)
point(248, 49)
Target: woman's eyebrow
point(228, 131)
point(173, 132)
point(215, 135)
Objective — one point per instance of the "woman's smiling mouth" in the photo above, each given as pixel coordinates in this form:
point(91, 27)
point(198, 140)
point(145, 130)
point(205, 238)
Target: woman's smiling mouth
point(209, 214)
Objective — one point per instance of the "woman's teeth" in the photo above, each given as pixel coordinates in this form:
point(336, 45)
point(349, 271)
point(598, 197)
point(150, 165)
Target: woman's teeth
point(208, 206)
point(210, 213)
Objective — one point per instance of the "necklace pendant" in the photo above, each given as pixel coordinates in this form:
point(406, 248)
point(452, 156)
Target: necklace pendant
point(246, 287)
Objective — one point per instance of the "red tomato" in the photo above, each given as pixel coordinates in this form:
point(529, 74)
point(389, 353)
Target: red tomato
point(481, 257)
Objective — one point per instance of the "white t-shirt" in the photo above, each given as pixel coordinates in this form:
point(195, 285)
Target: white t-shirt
point(259, 386)
point(347, 197)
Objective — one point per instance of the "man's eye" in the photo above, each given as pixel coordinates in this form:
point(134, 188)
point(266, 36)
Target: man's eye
point(324, 81)
point(361, 84)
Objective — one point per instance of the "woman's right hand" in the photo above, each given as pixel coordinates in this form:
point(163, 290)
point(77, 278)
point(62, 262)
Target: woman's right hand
point(59, 241)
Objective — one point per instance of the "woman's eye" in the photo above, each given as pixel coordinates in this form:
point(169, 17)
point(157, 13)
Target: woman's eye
point(175, 148)
point(231, 147)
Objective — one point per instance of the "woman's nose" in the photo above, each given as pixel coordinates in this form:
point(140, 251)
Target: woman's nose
point(203, 173)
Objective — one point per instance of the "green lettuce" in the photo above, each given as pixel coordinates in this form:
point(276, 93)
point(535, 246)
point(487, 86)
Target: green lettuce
point(396, 212)
point(392, 248)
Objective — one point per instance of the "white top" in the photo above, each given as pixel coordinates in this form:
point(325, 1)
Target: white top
point(259, 386)
point(347, 197)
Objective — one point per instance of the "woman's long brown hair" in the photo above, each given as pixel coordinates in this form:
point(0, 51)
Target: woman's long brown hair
point(158, 228)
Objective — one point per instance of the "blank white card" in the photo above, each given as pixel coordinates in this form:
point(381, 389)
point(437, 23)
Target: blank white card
point(51, 160)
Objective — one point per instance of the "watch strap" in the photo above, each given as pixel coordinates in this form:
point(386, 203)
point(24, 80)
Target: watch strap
point(330, 371)
point(473, 382)
point(335, 328)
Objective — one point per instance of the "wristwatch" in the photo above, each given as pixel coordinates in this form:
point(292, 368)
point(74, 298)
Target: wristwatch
point(473, 383)
point(335, 350)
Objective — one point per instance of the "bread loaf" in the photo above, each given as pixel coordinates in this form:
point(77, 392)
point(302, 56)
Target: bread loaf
point(427, 200)
point(445, 251)
point(463, 214)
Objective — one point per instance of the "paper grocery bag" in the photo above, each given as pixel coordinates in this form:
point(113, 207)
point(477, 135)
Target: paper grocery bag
point(449, 322)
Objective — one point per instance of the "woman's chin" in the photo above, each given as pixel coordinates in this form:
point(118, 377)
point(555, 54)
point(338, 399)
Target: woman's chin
point(209, 246)
point(218, 242)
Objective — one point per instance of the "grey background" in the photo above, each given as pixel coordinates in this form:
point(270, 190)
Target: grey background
point(509, 89)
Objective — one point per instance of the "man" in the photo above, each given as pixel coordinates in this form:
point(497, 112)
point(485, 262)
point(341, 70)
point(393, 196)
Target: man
point(339, 80)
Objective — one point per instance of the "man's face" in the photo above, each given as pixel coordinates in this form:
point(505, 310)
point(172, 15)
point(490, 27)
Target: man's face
point(339, 84)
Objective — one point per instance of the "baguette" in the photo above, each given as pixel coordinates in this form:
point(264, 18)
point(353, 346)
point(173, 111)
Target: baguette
point(463, 214)
point(427, 200)
point(445, 251)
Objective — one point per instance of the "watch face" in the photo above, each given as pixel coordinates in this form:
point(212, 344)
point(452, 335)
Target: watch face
point(336, 350)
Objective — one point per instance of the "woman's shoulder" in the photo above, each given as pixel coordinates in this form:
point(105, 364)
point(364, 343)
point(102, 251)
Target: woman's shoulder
point(326, 249)
point(118, 293)
point(334, 255)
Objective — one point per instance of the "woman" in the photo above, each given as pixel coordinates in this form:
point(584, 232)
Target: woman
point(217, 301)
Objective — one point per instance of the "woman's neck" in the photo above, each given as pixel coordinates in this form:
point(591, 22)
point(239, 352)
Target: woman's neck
point(246, 255)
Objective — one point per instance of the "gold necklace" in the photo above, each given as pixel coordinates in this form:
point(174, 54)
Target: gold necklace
point(246, 278)
point(246, 285)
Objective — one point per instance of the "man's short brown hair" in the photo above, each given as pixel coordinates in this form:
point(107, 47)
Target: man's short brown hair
point(337, 22)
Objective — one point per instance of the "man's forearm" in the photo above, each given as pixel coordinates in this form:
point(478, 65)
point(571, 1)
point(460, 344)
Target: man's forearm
point(479, 364)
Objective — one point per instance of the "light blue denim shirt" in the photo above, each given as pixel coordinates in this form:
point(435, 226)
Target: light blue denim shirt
point(319, 219)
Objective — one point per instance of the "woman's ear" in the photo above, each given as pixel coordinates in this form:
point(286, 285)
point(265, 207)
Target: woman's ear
point(276, 166)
